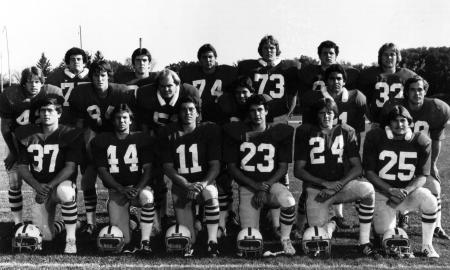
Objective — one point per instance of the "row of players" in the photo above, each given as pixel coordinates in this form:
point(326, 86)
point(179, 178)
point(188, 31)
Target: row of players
point(159, 106)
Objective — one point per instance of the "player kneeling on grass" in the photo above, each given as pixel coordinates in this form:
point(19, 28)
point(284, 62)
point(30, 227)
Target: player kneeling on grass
point(258, 155)
point(48, 156)
point(327, 160)
point(123, 161)
point(190, 154)
point(397, 162)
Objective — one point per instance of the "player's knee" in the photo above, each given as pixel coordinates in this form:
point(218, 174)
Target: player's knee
point(433, 185)
point(428, 202)
point(15, 182)
point(146, 197)
point(367, 193)
point(286, 200)
point(66, 192)
point(210, 192)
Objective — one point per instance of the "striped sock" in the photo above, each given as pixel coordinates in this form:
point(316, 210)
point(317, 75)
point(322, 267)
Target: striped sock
point(147, 215)
point(90, 202)
point(365, 213)
point(16, 204)
point(287, 218)
point(428, 225)
point(212, 214)
point(69, 215)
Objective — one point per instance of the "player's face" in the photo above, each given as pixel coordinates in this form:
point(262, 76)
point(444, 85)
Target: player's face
point(242, 94)
point(33, 85)
point(122, 122)
point(399, 125)
point(327, 56)
point(76, 64)
point(167, 87)
point(49, 115)
point(416, 93)
point(257, 114)
point(269, 52)
point(141, 64)
point(100, 80)
point(207, 60)
point(188, 113)
point(389, 58)
point(335, 82)
point(326, 117)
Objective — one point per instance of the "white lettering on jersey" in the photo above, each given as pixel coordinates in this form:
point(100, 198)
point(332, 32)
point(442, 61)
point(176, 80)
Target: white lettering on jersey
point(130, 158)
point(269, 155)
point(38, 154)
point(276, 93)
point(401, 163)
point(181, 151)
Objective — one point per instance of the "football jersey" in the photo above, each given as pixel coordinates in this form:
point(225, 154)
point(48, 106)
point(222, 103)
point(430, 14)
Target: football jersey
point(47, 155)
point(133, 83)
point(379, 87)
point(396, 162)
point(67, 81)
point(210, 86)
point(231, 111)
point(257, 153)
point(123, 158)
point(95, 111)
point(279, 82)
point(191, 152)
point(351, 104)
point(326, 155)
point(155, 111)
point(14, 104)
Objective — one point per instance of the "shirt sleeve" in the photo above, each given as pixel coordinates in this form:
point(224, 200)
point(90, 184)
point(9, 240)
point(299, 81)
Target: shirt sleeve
point(301, 146)
point(424, 156)
point(214, 140)
point(351, 150)
point(370, 152)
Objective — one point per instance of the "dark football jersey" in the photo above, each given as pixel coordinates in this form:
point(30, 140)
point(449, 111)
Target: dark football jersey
point(210, 87)
point(133, 83)
point(95, 111)
point(379, 88)
point(351, 104)
point(396, 162)
point(326, 155)
point(155, 111)
point(258, 154)
point(190, 153)
point(279, 82)
point(47, 155)
point(67, 81)
point(231, 111)
point(123, 158)
point(14, 104)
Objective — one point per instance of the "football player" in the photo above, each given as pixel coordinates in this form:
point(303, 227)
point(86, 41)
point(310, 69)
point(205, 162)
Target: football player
point(232, 105)
point(385, 82)
point(258, 155)
point(73, 74)
point(327, 160)
point(15, 106)
point(397, 162)
point(430, 115)
point(312, 77)
point(91, 104)
point(49, 154)
point(141, 60)
point(211, 80)
point(272, 76)
point(191, 154)
point(123, 159)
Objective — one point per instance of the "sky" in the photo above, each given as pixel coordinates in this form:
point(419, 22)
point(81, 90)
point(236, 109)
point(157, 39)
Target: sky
point(173, 30)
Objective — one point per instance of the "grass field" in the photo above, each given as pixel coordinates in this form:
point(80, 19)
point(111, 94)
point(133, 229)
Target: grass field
point(344, 252)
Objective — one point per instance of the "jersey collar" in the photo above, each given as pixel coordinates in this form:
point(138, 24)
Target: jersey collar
point(344, 95)
point(265, 64)
point(172, 101)
point(83, 74)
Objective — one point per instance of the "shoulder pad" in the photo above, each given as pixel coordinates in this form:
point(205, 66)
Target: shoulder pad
point(281, 132)
point(69, 134)
point(23, 132)
point(189, 90)
point(235, 130)
point(421, 139)
point(287, 63)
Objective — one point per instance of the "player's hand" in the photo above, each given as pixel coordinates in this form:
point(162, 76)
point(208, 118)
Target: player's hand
point(42, 193)
point(374, 125)
point(396, 196)
point(259, 199)
point(10, 160)
point(263, 186)
point(435, 172)
point(325, 194)
point(131, 193)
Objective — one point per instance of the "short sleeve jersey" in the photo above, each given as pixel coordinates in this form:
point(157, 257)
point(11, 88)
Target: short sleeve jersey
point(397, 162)
point(133, 83)
point(257, 153)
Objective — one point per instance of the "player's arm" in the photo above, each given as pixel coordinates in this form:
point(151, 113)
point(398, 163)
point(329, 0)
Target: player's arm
point(64, 174)
point(244, 180)
point(354, 172)
point(177, 179)
point(9, 140)
point(213, 172)
point(435, 151)
point(109, 180)
point(301, 173)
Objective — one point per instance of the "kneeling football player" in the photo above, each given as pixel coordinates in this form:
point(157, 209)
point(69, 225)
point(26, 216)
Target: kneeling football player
point(48, 156)
point(258, 155)
point(397, 162)
point(327, 160)
point(124, 160)
point(190, 154)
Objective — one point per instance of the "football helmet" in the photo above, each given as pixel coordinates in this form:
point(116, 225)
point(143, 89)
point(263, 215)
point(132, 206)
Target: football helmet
point(396, 243)
point(110, 239)
point(249, 243)
point(178, 239)
point(28, 237)
point(316, 242)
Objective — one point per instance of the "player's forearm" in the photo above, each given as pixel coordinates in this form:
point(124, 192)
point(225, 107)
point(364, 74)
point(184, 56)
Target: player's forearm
point(292, 100)
point(376, 181)
point(25, 173)
point(177, 179)
point(108, 179)
point(354, 172)
point(146, 175)
point(435, 151)
point(8, 136)
point(213, 172)
point(64, 174)
point(419, 181)
point(280, 173)
point(240, 178)
point(304, 175)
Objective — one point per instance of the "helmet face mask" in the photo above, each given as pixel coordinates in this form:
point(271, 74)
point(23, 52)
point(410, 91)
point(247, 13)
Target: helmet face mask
point(27, 238)
point(250, 243)
point(316, 242)
point(178, 240)
point(396, 243)
point(110, 240)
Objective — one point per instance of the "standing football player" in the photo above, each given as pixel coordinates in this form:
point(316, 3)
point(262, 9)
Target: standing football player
point(385, 82)
point(191, 154)
point(49, 154)
point(258, 155)
point(211, 80)
point(91, 104)
point(67, 79)
point(16, 104)
point(430, 115)
point(124, 161)
point(272, 76)
point(327, 160)
point(397, 162)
